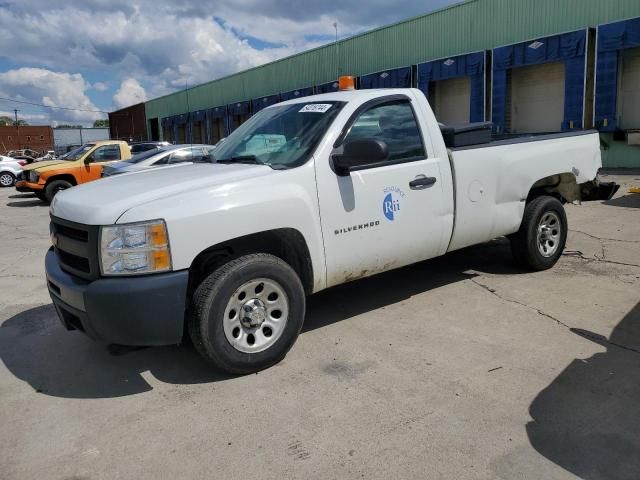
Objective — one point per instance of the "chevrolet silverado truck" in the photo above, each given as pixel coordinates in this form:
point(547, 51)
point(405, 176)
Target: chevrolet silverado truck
point(82, 165)
point(307, 194)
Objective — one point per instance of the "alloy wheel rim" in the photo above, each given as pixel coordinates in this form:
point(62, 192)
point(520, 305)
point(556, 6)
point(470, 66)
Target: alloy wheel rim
point(548, 235)
point(256, 315)
point(6, 180)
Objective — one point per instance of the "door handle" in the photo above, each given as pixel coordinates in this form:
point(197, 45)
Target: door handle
point(421, 182)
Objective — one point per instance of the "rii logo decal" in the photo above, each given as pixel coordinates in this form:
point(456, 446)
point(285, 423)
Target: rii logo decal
point(391, 205)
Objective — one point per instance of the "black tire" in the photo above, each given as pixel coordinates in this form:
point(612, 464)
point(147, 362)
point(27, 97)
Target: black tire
point(211, 298)
point(7, 179)
point(524, 243)
point(41, 196)
point(54, 187)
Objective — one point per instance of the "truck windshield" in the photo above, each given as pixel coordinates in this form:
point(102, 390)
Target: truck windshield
point(281, 136)
point(77, 153)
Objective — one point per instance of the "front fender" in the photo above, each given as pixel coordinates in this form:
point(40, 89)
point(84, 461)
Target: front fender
point(204, 217)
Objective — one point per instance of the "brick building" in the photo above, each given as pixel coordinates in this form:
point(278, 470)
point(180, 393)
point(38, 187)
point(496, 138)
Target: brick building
point(128, 123)
point(38, 138)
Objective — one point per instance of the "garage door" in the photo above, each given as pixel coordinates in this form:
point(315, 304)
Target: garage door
point(452, 99)
point(537, 98)
point(629, 98)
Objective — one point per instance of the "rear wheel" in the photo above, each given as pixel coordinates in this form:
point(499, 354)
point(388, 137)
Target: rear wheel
point(54, 187)
point(542, 236)
point(41, 196)
point(7, 179)
point(247, 314)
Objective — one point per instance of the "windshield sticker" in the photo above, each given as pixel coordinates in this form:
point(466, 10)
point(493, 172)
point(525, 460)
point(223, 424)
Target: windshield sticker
point(315, 108)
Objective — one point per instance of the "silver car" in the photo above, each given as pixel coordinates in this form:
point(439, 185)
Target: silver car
point(10, 170)
point(170, 155)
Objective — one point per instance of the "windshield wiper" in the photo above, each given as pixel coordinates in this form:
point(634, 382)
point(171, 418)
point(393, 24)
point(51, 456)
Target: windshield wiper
point(242, 159)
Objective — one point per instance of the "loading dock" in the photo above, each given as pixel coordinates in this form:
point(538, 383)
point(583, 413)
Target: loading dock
point(238, 114)
point(396, 78)
point(327, 87)
point(617, 102)
point(455, 87)
point(167, 129)
point(537, 98)
point(217, 121)
point(198, 126)
point(264, 102)
point(299, 93)
point(539, 85)
point(180, 127)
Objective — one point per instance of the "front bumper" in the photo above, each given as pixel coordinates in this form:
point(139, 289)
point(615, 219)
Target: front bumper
point(24, 186)
point(145, 310)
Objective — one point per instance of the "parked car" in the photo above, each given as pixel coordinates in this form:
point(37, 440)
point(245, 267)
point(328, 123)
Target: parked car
point(168, 155)
point(82, 165)
point(311, 193)
point(10, 170)
point(139, 147)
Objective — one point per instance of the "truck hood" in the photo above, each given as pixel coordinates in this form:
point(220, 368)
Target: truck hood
point(104, 201)
point(41, 165)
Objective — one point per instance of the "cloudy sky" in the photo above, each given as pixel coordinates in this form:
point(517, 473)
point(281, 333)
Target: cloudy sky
point(92, 55)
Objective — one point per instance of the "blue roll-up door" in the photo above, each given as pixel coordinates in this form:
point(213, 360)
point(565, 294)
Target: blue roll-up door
point(217, 120)
point(613, 39)
point(299, 93)
point(396, 78)
point(264, 102)
point(327, 87)
point(568, 49)
point(238, 114)
point(471, 65)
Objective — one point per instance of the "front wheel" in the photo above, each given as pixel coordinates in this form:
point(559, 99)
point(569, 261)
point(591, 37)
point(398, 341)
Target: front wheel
point(7, 179)
point(54, 187)
point(542, 236)
point(247, 314)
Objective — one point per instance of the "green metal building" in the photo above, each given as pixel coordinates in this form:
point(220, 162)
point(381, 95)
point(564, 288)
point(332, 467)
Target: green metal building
point(450, 34)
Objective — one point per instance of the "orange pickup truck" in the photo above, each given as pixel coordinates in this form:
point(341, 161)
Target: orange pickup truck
point(82, 165)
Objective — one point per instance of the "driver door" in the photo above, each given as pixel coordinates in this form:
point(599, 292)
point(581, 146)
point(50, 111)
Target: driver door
point(385, 215)
point(97, 159)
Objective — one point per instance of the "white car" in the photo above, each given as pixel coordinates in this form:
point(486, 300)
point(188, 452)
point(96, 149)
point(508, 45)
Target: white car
point(163, 156)
point(307, 194)
point(10, 170)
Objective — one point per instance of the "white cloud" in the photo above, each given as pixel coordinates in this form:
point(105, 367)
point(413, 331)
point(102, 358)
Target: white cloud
point(100, 86)
point(53, 89)
point(129, 93)
point(163, 44)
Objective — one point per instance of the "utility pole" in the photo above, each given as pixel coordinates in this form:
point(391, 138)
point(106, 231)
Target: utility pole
point(15, 111)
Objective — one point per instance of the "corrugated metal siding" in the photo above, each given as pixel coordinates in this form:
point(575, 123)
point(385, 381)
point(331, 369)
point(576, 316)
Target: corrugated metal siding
point(470, 26)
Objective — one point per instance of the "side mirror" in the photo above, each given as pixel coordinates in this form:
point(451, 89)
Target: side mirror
point(88, 159)
point(359, 154)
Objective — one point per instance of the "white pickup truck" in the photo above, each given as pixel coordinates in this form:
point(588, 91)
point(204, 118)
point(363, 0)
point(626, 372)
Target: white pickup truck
point(307, 194)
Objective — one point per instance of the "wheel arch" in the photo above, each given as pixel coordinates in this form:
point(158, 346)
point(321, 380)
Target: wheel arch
point(285, 243)
point(562, 186)
point(62, 176)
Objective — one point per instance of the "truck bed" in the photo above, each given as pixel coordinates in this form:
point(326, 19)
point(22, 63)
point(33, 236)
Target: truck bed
point(517, 138)
point(492, 180)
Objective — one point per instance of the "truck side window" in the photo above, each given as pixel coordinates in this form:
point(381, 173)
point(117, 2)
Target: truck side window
point(395, 124)
point(106, 153)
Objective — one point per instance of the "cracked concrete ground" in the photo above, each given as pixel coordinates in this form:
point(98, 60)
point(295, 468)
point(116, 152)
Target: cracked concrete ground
point(461, 367)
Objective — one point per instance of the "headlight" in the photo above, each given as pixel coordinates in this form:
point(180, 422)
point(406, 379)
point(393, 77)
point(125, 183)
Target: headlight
point(33, 176)
point(135, 248)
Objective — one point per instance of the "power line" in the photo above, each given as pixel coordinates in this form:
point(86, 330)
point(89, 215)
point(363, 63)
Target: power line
point(49, 106)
